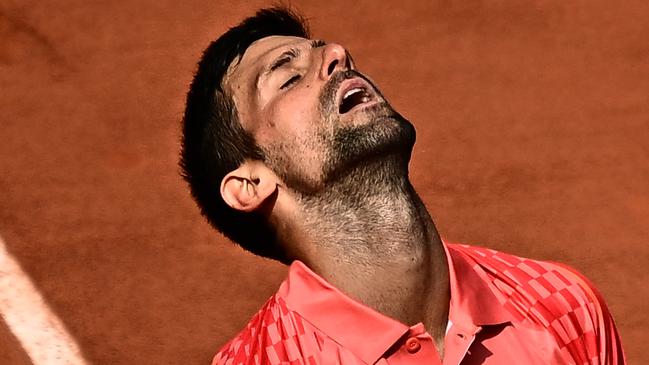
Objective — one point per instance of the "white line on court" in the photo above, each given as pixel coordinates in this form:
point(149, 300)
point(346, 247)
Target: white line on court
point(40, 332)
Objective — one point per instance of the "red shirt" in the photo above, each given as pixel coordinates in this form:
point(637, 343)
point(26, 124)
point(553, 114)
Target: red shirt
point(503, 310)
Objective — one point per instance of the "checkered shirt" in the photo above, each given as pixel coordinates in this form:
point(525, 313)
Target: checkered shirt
point(503, 309)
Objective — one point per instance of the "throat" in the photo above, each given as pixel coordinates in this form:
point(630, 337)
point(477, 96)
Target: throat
point(370, 236)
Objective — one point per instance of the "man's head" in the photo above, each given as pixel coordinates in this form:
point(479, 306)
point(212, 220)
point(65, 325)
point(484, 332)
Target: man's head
point(273, 114)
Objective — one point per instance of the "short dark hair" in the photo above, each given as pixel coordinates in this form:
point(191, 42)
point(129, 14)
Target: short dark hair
point(214, 143)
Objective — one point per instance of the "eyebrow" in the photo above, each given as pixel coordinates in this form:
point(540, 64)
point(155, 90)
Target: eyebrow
point(284, 58)
point(318, 43)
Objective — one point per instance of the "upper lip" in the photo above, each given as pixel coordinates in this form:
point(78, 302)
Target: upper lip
point(352, 83)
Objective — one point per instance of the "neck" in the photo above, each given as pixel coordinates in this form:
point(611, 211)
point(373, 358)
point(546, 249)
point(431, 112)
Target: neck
point(371, 236)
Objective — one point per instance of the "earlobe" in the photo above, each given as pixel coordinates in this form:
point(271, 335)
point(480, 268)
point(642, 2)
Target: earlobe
point(248, 187)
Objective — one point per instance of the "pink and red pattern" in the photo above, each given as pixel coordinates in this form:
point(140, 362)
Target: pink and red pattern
point(539, 297)
point(554, 297)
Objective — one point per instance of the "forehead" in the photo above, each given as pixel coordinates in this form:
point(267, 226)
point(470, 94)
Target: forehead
point(257, 56)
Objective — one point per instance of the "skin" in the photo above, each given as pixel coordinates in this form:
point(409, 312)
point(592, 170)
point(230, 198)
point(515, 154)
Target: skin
point(335, 186)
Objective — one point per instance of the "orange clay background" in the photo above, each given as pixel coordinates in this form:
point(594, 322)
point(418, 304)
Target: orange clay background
point(533, 138)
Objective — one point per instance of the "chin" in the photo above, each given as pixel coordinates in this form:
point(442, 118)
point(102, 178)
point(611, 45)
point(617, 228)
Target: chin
point(386, 136)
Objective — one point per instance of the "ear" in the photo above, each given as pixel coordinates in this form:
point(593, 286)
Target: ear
point(249, 186)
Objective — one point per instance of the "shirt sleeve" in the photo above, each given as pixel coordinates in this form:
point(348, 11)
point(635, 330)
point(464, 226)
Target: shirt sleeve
point(605, 345)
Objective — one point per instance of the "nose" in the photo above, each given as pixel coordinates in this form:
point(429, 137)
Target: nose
point(334, 58)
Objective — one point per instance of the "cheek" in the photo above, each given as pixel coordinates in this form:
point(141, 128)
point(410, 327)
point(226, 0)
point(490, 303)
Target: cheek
point(293, 114)
point(296, 135)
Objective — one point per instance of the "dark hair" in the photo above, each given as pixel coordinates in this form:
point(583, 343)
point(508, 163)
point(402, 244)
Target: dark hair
point(213, 141)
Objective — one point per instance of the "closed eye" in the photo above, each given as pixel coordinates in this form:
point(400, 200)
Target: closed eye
point(290, 81)
point(284, 58)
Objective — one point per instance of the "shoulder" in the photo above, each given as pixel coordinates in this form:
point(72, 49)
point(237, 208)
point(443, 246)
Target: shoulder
point(274, 334)
point(538, 279)
point(243, 345)
point(551, 296)
point(541, 291)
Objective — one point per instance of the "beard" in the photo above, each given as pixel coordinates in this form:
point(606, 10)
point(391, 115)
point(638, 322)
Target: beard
point(373, 151)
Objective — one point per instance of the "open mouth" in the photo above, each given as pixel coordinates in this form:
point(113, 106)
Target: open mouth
point(354, 93)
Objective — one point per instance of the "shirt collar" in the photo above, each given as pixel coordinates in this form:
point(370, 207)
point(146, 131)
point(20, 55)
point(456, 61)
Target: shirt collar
point(472, 305)
point(333, 313)
point(473, 302)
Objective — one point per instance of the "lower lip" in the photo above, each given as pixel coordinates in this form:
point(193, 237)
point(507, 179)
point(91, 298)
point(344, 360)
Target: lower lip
point(363, 106)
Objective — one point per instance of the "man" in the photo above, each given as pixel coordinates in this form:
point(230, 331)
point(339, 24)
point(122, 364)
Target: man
point(296, 156)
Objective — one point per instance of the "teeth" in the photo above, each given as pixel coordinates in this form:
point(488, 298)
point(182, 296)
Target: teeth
point(353, 91)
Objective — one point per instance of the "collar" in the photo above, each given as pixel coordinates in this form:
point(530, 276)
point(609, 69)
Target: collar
point(473, 302)
point(343, 319)
point(472, 305)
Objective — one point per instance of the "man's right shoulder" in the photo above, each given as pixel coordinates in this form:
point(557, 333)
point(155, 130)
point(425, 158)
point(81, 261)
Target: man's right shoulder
point(273, 335)
point(239, 348)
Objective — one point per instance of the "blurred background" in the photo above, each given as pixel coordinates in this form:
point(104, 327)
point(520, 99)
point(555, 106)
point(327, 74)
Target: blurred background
point(533, 138)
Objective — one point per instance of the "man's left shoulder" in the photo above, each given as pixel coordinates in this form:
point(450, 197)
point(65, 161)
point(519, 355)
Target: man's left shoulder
point(528, 282)
point(550, 296)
